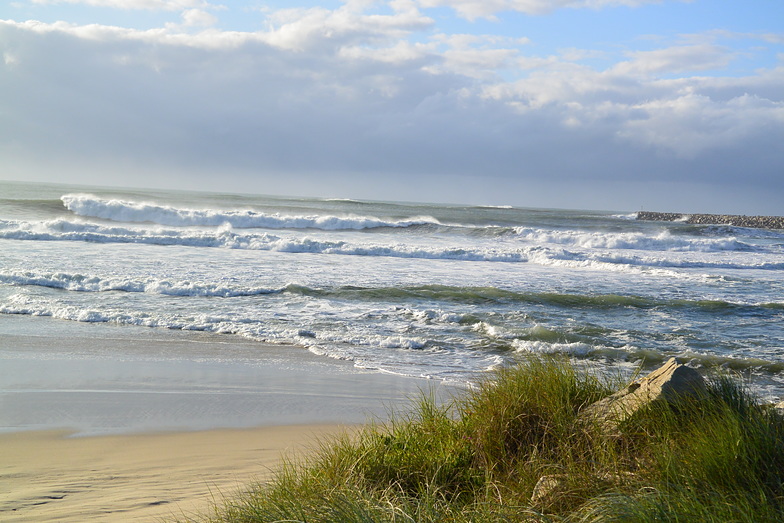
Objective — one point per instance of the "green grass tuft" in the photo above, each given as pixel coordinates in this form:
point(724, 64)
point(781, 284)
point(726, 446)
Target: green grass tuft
point(480, 458)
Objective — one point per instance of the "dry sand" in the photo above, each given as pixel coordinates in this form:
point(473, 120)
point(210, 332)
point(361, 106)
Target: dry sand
point(47, 476)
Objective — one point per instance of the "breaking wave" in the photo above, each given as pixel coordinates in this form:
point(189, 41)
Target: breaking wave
point(226, 237)
point(146, 212)
point(489, 345)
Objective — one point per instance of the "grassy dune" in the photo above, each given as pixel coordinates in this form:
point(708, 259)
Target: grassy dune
point(480, 458)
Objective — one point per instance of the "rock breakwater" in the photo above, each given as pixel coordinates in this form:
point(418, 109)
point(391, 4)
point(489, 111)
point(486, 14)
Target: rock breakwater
point(757, 222)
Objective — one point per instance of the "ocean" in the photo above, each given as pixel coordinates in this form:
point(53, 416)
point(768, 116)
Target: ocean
point(446, 292)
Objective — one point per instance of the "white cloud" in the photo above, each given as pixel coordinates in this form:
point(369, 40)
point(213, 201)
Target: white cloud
point(301, 29)
point(400, 53)
point(155, 5)
point(473, 9)
point(687, 117)
point(692, 124)
point(677, 59)
point(476, 56)
point(170, 35)
point(198, 18)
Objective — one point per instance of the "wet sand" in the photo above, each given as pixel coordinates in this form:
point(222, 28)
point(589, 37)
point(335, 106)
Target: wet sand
point(109, 423)
point(107, 379)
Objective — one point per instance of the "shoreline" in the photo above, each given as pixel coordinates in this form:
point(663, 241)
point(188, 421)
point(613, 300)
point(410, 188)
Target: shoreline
point(111, 423)
point(49, 476)
point(98, 379)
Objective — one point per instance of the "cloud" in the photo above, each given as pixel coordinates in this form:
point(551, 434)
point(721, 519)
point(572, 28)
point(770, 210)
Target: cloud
point(773, 38)
point(687, 117)
point(10, 59)
point(152, 5)
point(476, 56)
point(473, 9)
point(692, 124)
point(306, 29)
point(198, 18)
point(676, 59)
point(354, 97)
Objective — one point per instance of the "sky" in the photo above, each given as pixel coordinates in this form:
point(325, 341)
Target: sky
point(668, 105)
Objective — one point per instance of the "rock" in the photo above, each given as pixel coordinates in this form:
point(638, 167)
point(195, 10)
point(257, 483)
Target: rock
point(552, 486)
point(672, 382)
point(546, 487)
point(760, 222)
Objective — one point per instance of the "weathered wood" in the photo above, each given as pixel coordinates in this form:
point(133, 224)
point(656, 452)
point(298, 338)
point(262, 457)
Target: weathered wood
point(670, 383)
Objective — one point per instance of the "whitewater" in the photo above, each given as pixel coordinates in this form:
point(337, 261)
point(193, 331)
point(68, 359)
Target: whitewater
point(446, 292)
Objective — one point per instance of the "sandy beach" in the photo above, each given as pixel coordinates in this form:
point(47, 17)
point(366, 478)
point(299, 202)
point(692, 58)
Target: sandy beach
point(47, 476)
point(105, 423)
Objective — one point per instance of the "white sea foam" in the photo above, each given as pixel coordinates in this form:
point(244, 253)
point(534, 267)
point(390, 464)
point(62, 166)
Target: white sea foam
point(82, 283)
point(663, 241)
point(149, 212)
point(541, 347)
point(551, 255)
point(491, 331)
point(430, 316)
point(24, 304)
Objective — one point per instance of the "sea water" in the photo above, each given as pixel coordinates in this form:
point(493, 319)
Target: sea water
point(427, 290)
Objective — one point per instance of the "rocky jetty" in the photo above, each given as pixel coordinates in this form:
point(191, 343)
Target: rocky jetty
point(757, 222)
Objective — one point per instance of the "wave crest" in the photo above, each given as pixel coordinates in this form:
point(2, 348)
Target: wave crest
point(91, 206)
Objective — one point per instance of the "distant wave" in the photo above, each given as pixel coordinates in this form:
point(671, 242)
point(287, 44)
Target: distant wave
point(65, 230)
point(224, 237)
point(663, 241)
point(347, 200)
point(147, 212)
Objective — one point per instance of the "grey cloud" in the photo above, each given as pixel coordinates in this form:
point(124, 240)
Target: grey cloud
point(255, 110)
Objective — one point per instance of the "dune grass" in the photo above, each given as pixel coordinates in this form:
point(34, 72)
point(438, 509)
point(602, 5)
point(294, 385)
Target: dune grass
point(479, 459)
